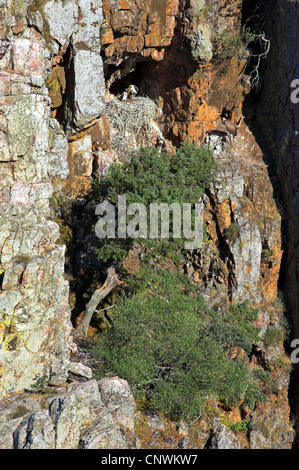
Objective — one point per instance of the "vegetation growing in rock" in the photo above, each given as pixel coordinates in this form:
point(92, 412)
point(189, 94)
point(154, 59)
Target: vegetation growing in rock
point(274, 336)
point(21, 410)
point(232, 232)
point(233, 44)
point(186, 343)
point(155, 177)
point(172, 349)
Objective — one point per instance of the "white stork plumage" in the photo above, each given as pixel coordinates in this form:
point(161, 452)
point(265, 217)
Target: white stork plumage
point(130, 92)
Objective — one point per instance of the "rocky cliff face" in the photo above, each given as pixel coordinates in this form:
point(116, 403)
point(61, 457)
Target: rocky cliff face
point(90, 415)
point(278, 121)
point(277, 128)
point(35, 327)
point(34, 293)
point(166, 48)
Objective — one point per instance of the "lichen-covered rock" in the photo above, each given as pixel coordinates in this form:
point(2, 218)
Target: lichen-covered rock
point(80, 370)
point(201, 45)
point(59, 148)
point(35, 322)
point(35, 326)
point(154, 421)
point(35, 432)
point(61, 18)
point(223, 438)
point(104, 434)
point(13, 411)
point(117, 397)
point(75, 417)
point(269, 427)
point(80, 405)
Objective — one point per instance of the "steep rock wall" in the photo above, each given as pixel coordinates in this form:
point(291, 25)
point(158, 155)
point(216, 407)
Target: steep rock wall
point(36, 342)
point(278, 121)
point(35, 324)
point(277, 128)
point(167, 48)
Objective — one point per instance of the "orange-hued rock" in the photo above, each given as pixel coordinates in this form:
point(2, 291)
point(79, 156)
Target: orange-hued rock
point(140, 28)
point(88, 151)
point(80, 162)
point(100, 134)
point(106, 36)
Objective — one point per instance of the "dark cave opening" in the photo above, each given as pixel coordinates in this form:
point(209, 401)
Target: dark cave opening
point(134, 77)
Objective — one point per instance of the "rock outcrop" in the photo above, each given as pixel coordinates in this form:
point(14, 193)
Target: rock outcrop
point(35, 328)
point(167, 49)
point(35, 315)
point(89, 415)
point(223, 438)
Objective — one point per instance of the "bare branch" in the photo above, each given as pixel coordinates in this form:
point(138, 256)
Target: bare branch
point(111, 282)
point(265, 44)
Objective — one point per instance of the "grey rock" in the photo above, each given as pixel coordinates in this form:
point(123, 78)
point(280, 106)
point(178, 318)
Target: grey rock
point(201, 45)
point(59, 150)
point(223, 438)
point(89, 87)
point(105, 434)
point(61, 17)
point(13, 411)
point(118, 398)
point(35, 432)
point(185, 443)
point(78, 369)
point(154, 421)
point(75, 417)
point(73, 411)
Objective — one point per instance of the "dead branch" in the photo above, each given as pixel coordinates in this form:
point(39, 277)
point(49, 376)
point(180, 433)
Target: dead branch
point(111, 282)
point(266, 44)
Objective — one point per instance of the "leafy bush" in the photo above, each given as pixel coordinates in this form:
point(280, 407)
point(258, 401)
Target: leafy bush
point(232, 232)
point(237, 327)
point(241, 426)
point(163, 342)
point(261, 385)
point(154, 177)
point(274, 336)
point(233, 44)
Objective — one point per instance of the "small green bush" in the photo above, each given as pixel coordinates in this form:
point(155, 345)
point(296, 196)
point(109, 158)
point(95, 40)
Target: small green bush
point(233, 44)
point(274, 336)
point(232, 232)
point(241, 426)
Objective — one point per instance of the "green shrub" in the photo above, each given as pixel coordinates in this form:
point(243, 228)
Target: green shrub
point(232, 232)
point(241, 426)
point(163, 342)
point(41, 385)
point(274, 336)
point(233, 44)
point(154, 177)
point(253, 395)
point(237, 327)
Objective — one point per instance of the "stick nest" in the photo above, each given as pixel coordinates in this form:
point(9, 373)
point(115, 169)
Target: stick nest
point(131, 123)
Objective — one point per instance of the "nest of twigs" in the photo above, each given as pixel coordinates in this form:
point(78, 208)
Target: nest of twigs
point(131, 123)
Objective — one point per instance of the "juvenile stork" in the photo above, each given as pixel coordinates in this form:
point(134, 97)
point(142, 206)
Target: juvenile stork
point(130, 92)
